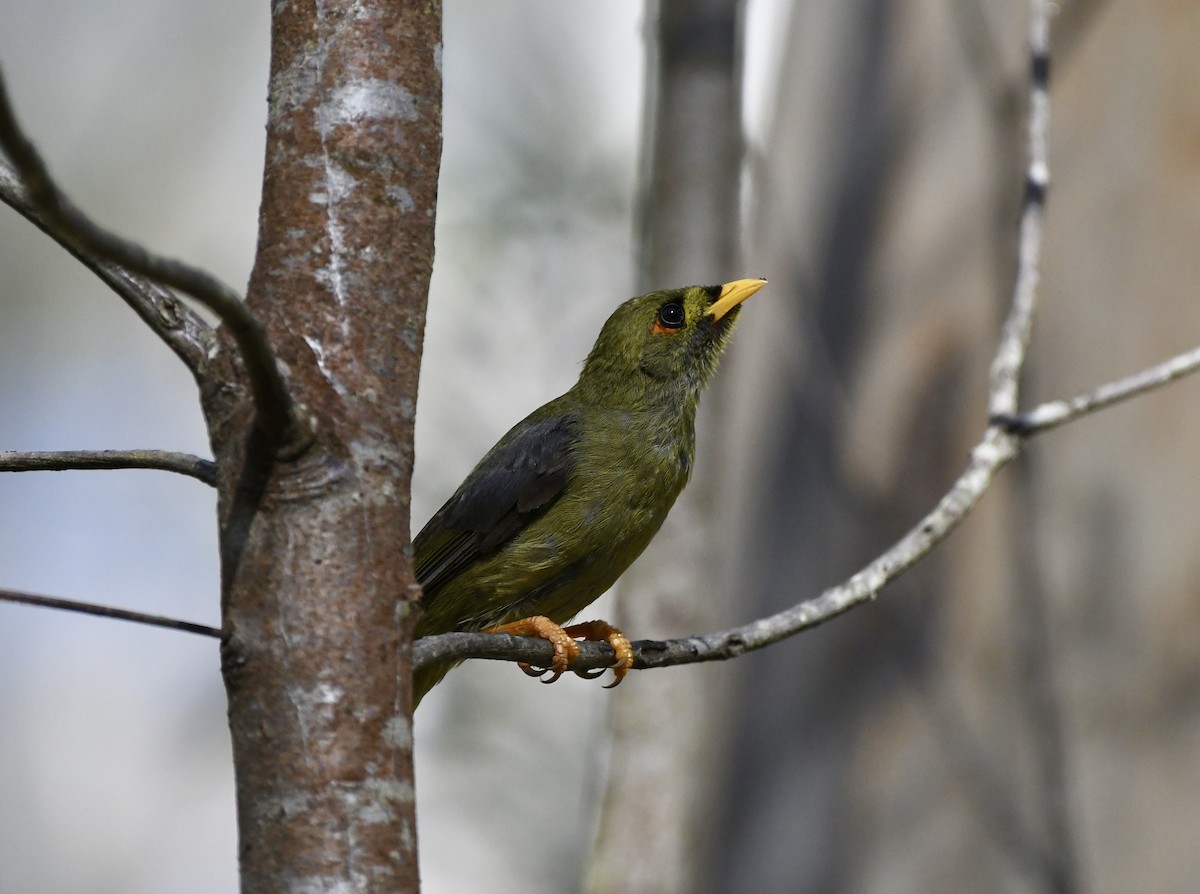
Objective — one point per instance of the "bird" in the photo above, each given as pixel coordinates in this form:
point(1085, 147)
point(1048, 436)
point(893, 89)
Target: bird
point(566, 500)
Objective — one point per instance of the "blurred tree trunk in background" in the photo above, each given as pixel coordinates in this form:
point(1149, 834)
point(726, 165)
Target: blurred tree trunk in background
point(667, 726)
point(1020, 713)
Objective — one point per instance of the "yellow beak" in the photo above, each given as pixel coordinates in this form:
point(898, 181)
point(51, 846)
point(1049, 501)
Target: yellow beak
point(733, 294)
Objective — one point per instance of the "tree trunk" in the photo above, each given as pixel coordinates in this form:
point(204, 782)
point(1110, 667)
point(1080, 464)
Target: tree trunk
point(317, 583)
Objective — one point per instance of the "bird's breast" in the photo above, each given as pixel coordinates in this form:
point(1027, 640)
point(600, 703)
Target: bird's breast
point(627, 472)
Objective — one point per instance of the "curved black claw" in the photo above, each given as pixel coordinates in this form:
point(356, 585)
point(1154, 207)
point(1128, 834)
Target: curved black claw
point(616, 681)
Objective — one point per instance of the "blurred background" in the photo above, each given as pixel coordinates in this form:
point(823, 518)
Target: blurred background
point(1019, 713)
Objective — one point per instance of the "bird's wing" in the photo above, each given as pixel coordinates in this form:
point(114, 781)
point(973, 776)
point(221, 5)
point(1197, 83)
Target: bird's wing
point(517, 480)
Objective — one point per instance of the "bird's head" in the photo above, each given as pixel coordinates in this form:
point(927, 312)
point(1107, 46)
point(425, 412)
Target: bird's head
point(665, 342)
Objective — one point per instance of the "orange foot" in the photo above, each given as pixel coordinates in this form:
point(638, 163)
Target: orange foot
point(566, 650)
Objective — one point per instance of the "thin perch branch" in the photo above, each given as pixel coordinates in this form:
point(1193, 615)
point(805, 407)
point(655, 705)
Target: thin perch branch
point(63, 460)
point(183, 330)
point(278, 416)
point(105, 611)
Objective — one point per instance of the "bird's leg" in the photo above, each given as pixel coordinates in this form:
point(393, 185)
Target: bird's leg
point(566, 650)
point(602, 631)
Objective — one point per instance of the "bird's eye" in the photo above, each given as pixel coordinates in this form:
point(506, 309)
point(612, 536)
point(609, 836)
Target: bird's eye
point(671, 315)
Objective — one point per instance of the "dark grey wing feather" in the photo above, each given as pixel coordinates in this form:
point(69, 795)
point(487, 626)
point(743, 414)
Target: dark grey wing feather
point(517, 480)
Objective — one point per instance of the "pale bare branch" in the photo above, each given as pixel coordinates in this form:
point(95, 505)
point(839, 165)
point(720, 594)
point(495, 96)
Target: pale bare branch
point(1014, 341)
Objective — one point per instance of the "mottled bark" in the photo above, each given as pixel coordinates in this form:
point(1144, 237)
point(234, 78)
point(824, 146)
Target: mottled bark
point(317, 584)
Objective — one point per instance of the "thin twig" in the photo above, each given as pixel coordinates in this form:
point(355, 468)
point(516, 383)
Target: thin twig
point(183, 330)
point(105, 611)
point(1054, 413)
point(1014, 342)
point(63, 460)
point(278, 417)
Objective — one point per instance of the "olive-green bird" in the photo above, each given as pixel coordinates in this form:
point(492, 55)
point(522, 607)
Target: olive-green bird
point(563, 504)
